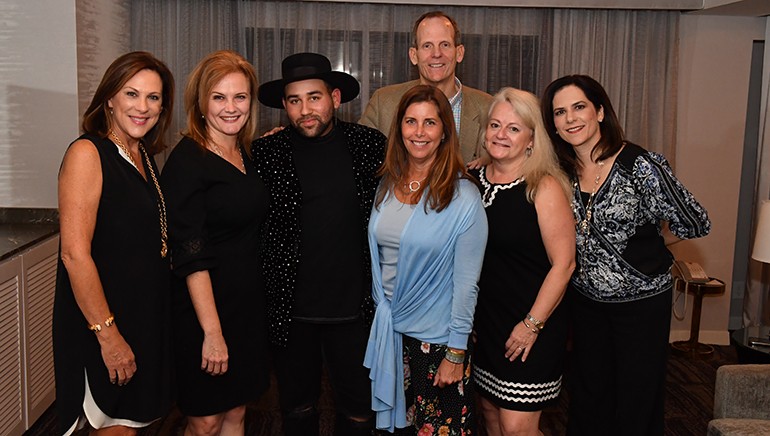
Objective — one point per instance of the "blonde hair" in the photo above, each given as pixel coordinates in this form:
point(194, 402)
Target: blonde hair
point(206, 75)
point(542, 161)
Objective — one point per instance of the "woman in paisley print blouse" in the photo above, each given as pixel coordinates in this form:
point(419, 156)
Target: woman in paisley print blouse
point(625, 199)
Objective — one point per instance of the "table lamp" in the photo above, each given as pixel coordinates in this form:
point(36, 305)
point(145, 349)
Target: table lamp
point(761, 250)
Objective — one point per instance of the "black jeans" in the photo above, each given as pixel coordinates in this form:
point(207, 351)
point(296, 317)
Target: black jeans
point(341, 348)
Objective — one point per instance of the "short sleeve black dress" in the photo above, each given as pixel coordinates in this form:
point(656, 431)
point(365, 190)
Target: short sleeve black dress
point(215, 214)
point(125, 247)
point(515, 265)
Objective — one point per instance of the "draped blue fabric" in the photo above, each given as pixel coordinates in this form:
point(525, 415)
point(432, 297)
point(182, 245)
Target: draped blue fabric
point(434, 295)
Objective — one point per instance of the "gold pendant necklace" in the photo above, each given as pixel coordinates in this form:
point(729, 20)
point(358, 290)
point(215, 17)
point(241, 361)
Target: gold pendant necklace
point(215, 148)
point(161, 202)
point(585, 224)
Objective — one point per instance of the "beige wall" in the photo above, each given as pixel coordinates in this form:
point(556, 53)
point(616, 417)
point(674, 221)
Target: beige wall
point(38, 98)
point(715, 54)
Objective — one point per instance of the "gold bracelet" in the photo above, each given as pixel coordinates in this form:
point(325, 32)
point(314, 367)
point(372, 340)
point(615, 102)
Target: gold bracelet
point(96, 328)
point(460, 354)
point(539, 324)
point(534, 329)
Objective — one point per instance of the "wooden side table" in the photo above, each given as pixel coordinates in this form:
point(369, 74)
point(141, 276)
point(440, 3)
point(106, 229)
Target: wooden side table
point(692, 347)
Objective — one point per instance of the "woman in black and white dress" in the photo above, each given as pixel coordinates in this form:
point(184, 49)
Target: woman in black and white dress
point(521, 329)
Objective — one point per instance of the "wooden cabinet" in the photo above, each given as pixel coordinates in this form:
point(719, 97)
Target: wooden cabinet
point(27, 283)
point(39, 279)
point(12, 419)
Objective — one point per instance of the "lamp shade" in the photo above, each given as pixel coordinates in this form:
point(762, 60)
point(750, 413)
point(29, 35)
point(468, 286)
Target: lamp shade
point(762, 237)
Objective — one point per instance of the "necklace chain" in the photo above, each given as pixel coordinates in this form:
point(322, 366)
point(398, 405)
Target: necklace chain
point(124, 148)
point(161, 201)
point(584, 225)
point(215, 148)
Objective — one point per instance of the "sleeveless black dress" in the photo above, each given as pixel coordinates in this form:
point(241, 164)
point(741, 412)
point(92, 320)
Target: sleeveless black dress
point(126, 250)
point(515, 265)
point(215, 215)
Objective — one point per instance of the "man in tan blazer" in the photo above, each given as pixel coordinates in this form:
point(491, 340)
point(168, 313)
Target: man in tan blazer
point(436, 50)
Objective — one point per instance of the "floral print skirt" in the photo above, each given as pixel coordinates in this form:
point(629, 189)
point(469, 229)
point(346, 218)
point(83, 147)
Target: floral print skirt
point(446, 411)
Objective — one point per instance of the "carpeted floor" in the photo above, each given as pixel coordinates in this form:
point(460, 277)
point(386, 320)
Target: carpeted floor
point(689, 405)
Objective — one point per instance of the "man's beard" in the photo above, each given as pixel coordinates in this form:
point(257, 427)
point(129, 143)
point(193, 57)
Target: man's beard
point(312, 132)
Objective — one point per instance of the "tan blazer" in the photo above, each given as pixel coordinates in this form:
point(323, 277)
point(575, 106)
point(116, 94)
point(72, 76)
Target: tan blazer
point(381, 110)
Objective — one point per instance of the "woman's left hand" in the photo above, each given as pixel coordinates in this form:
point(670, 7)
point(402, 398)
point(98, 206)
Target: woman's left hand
point(448, 373)
point(520, 342)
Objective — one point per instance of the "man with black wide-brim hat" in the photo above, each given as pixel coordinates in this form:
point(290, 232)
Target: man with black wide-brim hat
point(321, 173)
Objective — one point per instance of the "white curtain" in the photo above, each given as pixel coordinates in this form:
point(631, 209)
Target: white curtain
point(633, 53)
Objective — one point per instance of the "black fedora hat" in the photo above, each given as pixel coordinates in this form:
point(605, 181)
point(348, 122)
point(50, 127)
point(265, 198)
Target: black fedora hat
point(304, 66)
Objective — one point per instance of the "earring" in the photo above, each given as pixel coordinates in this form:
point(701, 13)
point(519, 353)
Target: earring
point(443, 137)
point(528, 151)
point(111, 113)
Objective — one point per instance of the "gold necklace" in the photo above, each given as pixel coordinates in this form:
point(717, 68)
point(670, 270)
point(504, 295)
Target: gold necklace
point(584, 225)
point(123, 147)
point(215, 148)
point(161, 202)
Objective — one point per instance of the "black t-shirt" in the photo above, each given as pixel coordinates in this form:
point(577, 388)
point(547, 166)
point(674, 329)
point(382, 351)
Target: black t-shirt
point(330, 273)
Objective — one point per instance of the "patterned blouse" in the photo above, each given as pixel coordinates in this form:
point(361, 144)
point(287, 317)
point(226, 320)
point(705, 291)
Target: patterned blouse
point(622, 256)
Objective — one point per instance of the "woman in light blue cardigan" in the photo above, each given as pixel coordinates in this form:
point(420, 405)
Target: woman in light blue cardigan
point(427, 235)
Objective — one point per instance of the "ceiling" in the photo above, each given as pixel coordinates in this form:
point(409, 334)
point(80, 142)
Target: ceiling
point(743, 8)
point(747, 8)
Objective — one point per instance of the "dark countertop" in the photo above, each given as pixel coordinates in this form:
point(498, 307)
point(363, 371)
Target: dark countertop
point(21, 228)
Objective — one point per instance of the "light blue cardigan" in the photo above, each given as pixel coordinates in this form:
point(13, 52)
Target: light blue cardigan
point(434, 296)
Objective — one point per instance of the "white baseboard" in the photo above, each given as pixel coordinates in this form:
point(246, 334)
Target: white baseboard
point(714, 337)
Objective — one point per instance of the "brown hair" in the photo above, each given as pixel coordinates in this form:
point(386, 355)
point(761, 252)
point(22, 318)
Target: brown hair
point(611, 132)
point(206, 75)
point(96, 119)
point(447, 165)
point(436, 14)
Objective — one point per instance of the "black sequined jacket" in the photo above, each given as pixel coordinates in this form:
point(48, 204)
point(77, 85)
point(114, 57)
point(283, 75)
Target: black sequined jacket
point(273, 158)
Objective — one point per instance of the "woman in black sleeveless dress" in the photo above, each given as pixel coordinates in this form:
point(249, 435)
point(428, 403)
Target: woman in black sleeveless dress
point(111, 309)
point(217, 204)
point(521, 329)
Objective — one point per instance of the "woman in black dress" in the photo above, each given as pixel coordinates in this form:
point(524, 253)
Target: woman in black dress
point(216, 204)
point(521, 329)
point(111, 309)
